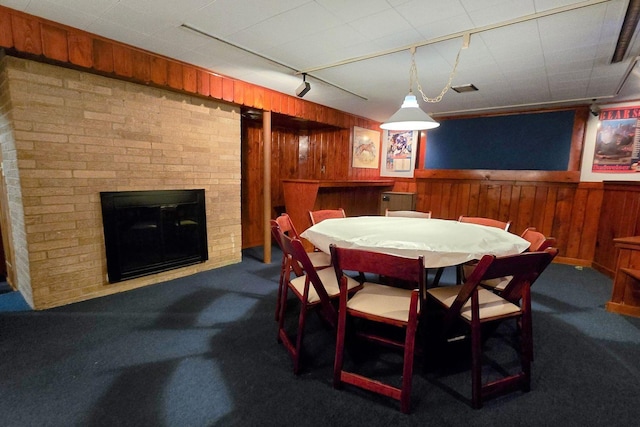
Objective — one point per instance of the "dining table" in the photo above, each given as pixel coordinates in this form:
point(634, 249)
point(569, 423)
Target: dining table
point(441, 242)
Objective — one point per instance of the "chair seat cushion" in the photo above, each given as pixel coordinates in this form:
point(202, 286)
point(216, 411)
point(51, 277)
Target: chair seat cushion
point(491, 305)
point(319, 259)
point(383, 301)
point(328, 278)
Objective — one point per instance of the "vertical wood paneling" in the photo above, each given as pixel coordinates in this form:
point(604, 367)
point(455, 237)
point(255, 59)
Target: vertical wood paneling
point(556, 209)
point(122, 60)
point(514, 208)
point(538, 207)
point(591, 220)
point(299, 154)
point(141, 66)
point(189, 79)
point(54, 43)
point(227, 89)
point(159, 67)
point(6, 32)
point(562, 216)
point(80, 50)
point(203, 83)
point(505, 202)
point(26, 34)
point(619, 217)
point(574, 241)
point(215, 86)
point(174, 75)
point(577, 139)
point(102, 55)
point(238, 92)
point(549, 211)
point(525, 204)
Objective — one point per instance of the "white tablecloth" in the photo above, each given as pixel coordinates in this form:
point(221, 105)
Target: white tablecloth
point(441, 242)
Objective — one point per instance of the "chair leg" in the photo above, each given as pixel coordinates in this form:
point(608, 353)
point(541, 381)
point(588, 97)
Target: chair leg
point(527, 339)
point(409, 351)
point(476, 366)
point(284, 294)
point(340, 337)
point(279, 296)
point(298, 349)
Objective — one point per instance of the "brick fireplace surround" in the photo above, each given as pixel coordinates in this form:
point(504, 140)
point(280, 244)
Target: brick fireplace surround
point(67, 135)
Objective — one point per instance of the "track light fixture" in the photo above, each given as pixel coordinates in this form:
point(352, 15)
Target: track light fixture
point(304, 87)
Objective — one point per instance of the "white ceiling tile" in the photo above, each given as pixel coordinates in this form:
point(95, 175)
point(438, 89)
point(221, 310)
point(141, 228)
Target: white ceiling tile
point(93, 7)
point(62, 14)
point(349, 11)
point(116, 32)
point(310, 18)
point(566, 55)
point(123, 16)
point(489, 12)
point(16, 4)
point(420, 12)
point(380, 24)
point(444, 27)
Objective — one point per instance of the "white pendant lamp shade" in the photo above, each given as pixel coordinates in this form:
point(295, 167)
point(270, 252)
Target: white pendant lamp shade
point(410, 117)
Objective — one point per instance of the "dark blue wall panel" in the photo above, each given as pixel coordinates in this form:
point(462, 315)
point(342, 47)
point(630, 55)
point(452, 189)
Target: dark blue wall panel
point(536, 141)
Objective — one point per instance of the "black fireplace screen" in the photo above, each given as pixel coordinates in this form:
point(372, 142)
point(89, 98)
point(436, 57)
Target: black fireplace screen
point(147, 232)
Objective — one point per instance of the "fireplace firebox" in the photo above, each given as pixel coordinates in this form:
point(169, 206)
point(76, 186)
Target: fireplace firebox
point(147, 232)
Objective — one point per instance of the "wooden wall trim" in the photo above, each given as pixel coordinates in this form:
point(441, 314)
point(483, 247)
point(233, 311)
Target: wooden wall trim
point(39, 39)
point(577, 139)
point(499, 175)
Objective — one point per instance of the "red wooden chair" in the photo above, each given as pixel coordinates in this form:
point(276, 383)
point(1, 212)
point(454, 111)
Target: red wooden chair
point(486, 221)
point(490, 222)
point(318, 259)
point(538, 242)
point(321, 215)
point(314, 289)
point(473, 307)
point(408, 214)
point(377, 303)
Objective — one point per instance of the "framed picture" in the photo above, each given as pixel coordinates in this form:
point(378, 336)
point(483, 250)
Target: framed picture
point(617, 147)
point(366, 148)
point(399, 150)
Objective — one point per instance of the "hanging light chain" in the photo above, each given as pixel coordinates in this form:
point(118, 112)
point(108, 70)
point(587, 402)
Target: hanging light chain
point(413, 77)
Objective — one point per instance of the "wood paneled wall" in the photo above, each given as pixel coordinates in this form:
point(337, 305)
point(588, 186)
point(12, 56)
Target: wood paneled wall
point(619, 217)
point(554, 203)
point(296, 154)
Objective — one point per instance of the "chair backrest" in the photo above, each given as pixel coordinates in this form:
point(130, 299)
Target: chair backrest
point(286, 225)
point(297, 254)
point(524, 269)
point(410, 272)
point(321, 215)
point(537, 240)
point(486, 221)
point(278, 235)
point(408, 214)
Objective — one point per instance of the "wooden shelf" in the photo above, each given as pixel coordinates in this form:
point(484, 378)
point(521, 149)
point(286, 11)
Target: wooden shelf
point(356, 197)
point(625, 298)
point(631, 272)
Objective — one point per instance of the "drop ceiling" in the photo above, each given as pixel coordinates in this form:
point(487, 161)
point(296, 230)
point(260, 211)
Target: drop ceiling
point(521, 54)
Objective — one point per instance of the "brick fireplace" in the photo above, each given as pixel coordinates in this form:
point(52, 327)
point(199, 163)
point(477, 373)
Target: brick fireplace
point(68, 135)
